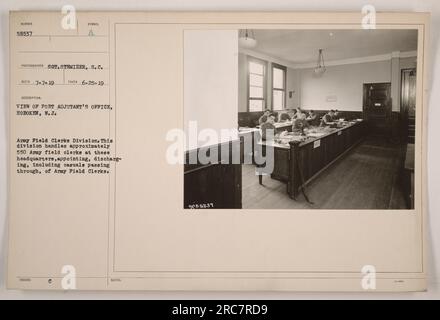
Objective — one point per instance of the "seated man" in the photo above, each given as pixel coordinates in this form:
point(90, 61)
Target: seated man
point(284, 116)
point(268, 125)
point(263, 118)
point(300, 123)
point(335, 115)
point(311, 118)
point(327, 119)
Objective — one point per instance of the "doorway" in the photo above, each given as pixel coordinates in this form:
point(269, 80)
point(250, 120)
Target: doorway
point(377, 108)
point(408, 104)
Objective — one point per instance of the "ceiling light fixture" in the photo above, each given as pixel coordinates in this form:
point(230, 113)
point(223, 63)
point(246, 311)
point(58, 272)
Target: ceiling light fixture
point(320, 66)
point(246, 38)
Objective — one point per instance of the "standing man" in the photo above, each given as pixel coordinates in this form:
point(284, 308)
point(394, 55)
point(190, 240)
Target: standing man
point(267, 126)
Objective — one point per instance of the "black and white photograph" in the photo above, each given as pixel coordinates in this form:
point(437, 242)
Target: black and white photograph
point(325, 119)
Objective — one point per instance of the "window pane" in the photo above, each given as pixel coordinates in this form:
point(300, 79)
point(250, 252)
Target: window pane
point(256, 92)
point(256, 68)
point(255, 105)
point(278, 78)
point(256, 80)
point(278, 100)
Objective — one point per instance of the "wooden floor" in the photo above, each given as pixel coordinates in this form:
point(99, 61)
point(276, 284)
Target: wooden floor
point(367, 177)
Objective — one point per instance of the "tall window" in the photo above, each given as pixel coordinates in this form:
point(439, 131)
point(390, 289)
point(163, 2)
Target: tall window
point(257, 80)
point(278, 87)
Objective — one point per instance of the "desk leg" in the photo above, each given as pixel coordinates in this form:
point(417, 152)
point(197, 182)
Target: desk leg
point(294, 176)
point(260, 174)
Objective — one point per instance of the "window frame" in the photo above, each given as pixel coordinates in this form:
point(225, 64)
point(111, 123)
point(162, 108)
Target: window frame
point(284, 69)
point(249, 98)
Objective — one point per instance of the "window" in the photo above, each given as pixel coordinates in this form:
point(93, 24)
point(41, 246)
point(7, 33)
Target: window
point(278, 87)
point(256, 80)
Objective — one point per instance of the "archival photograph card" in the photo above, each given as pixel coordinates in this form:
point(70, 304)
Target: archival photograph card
point(263, 151)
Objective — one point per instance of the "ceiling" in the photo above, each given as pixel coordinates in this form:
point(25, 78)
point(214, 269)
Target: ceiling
point(301, 46)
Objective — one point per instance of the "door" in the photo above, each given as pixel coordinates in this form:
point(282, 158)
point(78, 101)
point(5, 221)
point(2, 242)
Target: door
point(377, 108)
point(408, 104)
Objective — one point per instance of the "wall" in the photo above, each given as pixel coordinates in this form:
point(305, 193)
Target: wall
point(406, 63)
point(344, 82)
point(293, 84)
point(242, 82)
point(210, 78)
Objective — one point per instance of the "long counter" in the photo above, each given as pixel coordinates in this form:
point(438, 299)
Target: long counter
point(299, 159)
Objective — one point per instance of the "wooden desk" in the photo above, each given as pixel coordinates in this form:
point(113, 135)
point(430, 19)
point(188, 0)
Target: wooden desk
point(217, 184)
point(300, 162)
point(283, 126)
point(250, 135)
